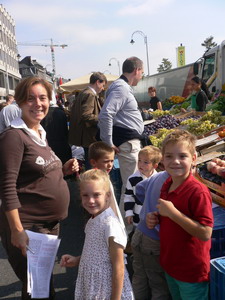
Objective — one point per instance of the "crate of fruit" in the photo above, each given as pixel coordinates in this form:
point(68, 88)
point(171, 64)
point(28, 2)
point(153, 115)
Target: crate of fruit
point(211, 171)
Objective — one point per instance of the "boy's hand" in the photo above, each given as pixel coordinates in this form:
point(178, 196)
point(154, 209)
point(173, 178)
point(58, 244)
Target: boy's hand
point(152, 219)
point(69, 261)
point(166, 208)
point(129, 219)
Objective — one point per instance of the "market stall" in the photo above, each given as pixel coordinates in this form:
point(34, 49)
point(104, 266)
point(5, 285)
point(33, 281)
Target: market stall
point(82, 82)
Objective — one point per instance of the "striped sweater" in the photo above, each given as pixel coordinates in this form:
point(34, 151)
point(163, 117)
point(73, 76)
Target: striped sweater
point(132, 205)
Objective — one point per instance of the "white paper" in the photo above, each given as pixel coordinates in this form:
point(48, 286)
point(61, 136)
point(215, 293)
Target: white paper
point(40, 263)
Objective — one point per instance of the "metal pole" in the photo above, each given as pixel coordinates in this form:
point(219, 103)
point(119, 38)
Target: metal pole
point(146, 44)
point(118, 63)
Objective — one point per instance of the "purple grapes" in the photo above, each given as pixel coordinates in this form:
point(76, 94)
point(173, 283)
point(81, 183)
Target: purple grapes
point(167, 121)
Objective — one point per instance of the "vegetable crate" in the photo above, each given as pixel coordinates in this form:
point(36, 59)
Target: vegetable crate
point(217, 190)
point(217, 278)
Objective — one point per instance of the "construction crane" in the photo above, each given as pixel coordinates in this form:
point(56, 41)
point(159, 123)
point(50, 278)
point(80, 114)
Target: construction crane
point(52, 46)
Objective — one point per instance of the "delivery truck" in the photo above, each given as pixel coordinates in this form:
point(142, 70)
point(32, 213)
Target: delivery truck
point(176, 82)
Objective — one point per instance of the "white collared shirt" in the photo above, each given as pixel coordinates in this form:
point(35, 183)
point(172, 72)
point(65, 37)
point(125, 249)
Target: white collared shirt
point(40, 140)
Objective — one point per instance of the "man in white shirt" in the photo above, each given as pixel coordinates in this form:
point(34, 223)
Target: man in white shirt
point(7, 114)
point(120, 122)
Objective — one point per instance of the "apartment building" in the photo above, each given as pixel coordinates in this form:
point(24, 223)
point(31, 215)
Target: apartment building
point(9, 66)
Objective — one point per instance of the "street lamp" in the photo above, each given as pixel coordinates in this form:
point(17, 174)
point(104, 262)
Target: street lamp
point(118, 63)
point(106, 71)
point(146, 44)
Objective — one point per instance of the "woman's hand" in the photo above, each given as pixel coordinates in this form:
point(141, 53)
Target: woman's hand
point(70, 167)
point(20, 240)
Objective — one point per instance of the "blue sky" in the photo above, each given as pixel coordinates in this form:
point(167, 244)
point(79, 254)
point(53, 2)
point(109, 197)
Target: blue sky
point(98, 30)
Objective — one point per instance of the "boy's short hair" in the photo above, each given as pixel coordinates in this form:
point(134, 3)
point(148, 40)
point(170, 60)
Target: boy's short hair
point(99, 149)
point(177, 136)
point(153, 153)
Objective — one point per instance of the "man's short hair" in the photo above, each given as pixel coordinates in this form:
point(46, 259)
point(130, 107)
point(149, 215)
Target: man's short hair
point(97, 150)
point(132, 63)
point(7, 98)
point(97, 76)
point(153, 154)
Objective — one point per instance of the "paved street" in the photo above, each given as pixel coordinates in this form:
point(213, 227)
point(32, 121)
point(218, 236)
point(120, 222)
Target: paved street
point(72, 240)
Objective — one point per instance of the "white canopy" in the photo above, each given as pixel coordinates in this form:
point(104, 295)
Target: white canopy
point(82, 82)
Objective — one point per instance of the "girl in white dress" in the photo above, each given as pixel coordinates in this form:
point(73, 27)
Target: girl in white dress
point(102, 274)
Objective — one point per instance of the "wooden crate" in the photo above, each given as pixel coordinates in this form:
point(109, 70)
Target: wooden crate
point(217, 191)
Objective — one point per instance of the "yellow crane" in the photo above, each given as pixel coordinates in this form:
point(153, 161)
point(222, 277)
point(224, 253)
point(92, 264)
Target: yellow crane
point(52, 46)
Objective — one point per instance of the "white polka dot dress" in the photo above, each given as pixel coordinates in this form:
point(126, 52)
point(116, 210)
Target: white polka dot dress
point(94, 279)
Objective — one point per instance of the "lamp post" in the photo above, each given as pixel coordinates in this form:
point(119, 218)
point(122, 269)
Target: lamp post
point(146, 44)
point(118, 63)
point(106, 71)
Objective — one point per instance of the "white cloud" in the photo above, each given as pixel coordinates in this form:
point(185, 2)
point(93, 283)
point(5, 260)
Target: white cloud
point(48, 14)
point(93, 36)
point(144, 7)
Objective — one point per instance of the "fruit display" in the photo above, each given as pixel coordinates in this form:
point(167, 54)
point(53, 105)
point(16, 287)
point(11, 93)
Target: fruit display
point(157, 139)
point(217, 104)
point(176, 99)
point(214, 170)
point(200, 126)
point(168, 104)
point(167, 121)
point(158, 113)
point(221, 133)
point(214, 116)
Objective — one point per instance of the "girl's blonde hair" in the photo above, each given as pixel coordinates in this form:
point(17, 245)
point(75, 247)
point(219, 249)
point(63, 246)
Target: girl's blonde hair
point(96, 175)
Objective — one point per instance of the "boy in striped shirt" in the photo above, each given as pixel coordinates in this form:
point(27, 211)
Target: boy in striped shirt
point(148, 160)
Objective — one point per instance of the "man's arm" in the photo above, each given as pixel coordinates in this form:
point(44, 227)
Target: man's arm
point(113, 104)
point(88, 103)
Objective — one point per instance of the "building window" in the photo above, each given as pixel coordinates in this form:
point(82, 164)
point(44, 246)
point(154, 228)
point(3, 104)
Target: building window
point(2, 80)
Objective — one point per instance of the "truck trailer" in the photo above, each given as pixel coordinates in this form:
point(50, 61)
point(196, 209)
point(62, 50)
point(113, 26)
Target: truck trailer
point(176, 82)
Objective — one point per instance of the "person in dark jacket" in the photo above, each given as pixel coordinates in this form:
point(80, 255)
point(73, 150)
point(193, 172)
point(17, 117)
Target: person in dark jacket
point(155, 103)
point(55, 125)
point(198, 98)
